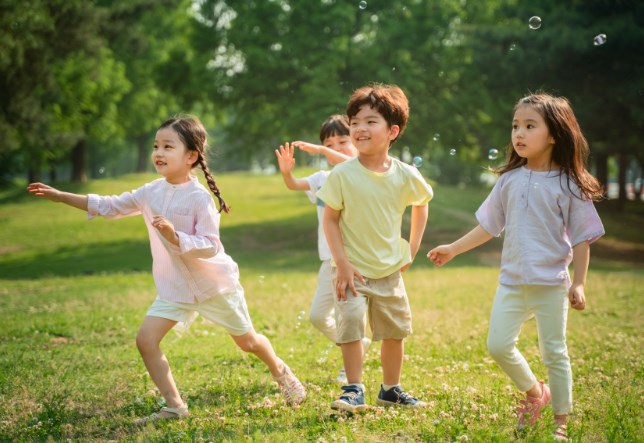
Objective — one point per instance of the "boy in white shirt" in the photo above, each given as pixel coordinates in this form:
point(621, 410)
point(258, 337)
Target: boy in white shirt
point(336, 148)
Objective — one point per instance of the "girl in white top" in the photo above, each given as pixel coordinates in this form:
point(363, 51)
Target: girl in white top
point(544, 202)
point(192, 273)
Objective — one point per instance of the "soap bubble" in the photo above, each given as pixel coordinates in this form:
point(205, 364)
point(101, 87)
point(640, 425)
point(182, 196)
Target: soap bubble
point(417, 161)
point(362, 5)
point(492, 154)
point(599, 39)
point(101, 170)
point(534, 22)
point(452, 152)
point(436, 137)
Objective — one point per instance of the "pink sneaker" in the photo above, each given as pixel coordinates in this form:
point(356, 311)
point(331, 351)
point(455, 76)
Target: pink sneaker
point(292, 389)
point(530, 408)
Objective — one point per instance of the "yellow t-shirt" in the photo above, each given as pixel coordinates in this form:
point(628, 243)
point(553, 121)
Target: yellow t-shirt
point(372, 206)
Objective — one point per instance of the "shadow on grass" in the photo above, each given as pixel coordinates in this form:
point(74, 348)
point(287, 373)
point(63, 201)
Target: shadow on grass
point(279, 245)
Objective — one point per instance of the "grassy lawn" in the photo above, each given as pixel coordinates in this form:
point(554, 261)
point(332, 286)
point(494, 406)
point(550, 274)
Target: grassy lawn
point(73, 293)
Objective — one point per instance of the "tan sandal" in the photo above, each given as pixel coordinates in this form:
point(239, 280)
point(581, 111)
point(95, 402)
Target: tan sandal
point(165, 414)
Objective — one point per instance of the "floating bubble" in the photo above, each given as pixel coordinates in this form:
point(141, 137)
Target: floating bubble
point(492, 154)
point(261, 279)
point(513, 47)
point(417, 161)
point(436, 137)
point(599, 39)
point(452, 152)
point(534, 22)
point(101, 170)
point(362, 5)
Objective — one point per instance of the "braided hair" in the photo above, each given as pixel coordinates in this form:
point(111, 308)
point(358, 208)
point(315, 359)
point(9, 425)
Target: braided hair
point(193, 134)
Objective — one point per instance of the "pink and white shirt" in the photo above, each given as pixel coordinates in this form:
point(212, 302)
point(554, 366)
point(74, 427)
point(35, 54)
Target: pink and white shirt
point(198, 268)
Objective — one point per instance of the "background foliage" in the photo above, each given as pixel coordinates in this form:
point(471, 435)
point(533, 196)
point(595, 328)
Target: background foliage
point(85, 84)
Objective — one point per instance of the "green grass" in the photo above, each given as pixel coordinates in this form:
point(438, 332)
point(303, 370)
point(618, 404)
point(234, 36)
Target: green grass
point(73, 293)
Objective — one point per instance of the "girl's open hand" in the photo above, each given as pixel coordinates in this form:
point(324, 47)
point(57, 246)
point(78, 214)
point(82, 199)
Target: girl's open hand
point(577, 297)
point(165, 228)
point(440, 255)
point(43, 190)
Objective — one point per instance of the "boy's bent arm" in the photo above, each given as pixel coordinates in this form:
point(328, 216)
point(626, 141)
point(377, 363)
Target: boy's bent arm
point(419, 216)
point(345, 270)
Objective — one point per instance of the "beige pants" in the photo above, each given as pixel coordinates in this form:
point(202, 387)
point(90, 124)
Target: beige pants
point(513, 306)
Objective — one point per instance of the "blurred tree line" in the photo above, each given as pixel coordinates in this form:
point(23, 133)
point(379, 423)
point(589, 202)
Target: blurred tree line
point(84, 84)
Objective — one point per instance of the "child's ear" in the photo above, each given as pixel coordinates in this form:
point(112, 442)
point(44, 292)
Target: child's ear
point(193, 156)
point(394, 131)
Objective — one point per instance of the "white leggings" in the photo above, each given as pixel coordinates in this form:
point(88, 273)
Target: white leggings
point(513, 306)
point(322, 314)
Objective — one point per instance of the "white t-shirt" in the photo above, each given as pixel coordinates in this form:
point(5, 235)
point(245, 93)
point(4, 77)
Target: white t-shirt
point(315, 182)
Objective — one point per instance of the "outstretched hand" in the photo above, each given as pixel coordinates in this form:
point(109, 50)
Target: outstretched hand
point(43, 190)
point(441, 255)
point(285, 158)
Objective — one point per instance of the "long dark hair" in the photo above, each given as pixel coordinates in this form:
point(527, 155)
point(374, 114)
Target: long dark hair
point(570, 150)
point(194, 136)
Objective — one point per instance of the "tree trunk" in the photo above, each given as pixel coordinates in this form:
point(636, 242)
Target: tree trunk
point(622, 160)
point(144, 153)
point(79, 162)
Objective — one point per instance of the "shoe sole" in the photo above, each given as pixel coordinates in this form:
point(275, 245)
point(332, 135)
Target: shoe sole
point(387, 404)
point(340, 405)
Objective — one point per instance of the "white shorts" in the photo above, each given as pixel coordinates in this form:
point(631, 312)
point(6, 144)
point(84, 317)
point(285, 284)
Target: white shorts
point(226, 310)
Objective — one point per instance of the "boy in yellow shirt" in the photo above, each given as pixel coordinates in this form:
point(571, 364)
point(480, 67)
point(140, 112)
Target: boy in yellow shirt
point(365, 201)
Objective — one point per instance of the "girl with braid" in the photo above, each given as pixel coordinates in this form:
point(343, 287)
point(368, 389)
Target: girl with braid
point(192, 272)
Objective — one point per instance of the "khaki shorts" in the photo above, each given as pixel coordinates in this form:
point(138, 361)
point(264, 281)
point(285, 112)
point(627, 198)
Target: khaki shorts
point(385, 302)
point(226, 310)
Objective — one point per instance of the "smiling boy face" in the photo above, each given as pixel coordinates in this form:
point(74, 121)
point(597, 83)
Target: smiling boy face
point(370, 132)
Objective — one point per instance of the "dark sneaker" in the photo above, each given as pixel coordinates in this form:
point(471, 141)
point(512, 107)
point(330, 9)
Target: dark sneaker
point(351, 400)
point(397, 396)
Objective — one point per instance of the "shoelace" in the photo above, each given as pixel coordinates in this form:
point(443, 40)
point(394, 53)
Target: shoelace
point(350, 395)
point(403, 396)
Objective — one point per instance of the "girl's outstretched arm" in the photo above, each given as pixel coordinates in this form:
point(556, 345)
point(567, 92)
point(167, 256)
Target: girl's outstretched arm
point(419, 216)
point(444, 253)
point(53, 194)
point(581, 259)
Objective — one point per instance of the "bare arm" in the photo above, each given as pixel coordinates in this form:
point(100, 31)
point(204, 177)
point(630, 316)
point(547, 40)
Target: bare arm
point(581, 259)
point(419, 216)
point(286, 161)
point(345, 270)
point(444, 253)
point(52, 194)
point(332, 156)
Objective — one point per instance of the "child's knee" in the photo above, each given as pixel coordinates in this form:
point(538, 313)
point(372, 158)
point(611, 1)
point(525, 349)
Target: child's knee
point(317, 320)
point(499, 350)
point(249, 343)
point(145, 343)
